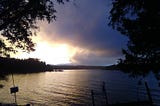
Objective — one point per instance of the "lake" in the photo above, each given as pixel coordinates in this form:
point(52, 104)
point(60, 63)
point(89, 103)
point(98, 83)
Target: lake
point(73, 87)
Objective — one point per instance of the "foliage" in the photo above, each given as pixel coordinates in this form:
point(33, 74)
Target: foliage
point(140, 21)
point(11, 65)
point(31, 65)
point(18, 22)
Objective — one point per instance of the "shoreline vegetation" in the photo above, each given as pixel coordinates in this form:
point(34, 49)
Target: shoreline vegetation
point(32, 65)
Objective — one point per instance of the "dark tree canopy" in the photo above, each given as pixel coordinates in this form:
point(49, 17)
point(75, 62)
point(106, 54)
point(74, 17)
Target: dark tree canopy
point(140, 21)
point(18, 20)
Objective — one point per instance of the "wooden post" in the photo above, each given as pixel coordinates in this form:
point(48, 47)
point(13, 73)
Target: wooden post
point(15, 97)
point(92, 94)
point(105, 93)
point(148, 93)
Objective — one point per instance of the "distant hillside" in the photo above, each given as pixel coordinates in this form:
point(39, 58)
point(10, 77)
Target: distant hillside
point(111, 67)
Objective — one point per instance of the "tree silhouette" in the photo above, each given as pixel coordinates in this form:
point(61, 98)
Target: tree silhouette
point(140, 21)
point(18, 22)
point(31, 65)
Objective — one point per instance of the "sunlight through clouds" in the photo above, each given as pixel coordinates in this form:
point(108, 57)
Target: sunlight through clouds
point(80, 35)
point(51, 54)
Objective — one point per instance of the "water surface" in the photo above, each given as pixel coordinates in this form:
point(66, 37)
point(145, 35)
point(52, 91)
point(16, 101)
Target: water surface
point(73, 87)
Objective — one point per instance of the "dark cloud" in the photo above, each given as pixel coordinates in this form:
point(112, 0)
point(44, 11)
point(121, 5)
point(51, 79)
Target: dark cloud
point(93, 58)
point(85, 25)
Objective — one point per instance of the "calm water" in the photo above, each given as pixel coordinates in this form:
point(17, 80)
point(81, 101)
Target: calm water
point(73, 87)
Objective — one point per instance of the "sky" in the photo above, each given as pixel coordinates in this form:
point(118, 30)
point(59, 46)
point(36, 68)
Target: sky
point(80, 35)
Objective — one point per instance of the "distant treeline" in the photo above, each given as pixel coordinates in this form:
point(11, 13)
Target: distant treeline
point(12, 65)
point(111, 67)
point(33, 65)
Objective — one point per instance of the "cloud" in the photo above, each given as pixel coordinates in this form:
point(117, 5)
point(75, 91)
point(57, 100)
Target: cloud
point(85, 57)
point(84, 26)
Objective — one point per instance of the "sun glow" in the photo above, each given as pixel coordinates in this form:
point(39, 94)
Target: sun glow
point(51, 54)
